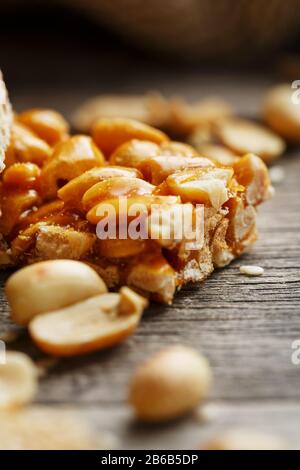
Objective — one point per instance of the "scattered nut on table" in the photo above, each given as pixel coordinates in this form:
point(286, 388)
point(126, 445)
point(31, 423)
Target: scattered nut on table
point(18, 380)
point(151, 108)
point(50, 285)
point(170, 384)
point(243, 136)
point(96, 323)
point(244, 440)
point(281, 113)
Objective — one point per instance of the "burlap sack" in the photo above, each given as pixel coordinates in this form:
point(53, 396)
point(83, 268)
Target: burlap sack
point(199, 28)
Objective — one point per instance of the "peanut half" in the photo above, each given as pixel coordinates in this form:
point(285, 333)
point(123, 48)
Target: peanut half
point(150, 108)
point(18, 380)
point(50, 285)
point(281, 113)
point(242, 136)
point(96, 323)
point(170, 384)
point(46, 124)
point(111, 133)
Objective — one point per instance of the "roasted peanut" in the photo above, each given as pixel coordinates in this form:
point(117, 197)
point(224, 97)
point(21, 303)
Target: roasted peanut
point(157, 169)
point(206, 185)
point(116, 248)
point(22, 176)
point(115, 188)
point(133, 206)
point(251, 172)
point(13, 204)
point(96, 323)
point(45, 212)
point(110, 133)
point(170, 384)
point(72, 192)
point(217, 153)
point(28, 147)
point(151, 109)
point(46, 124)
point(153, 274)
point(70, 159)
point(177, 149)
point(185, 117)
point(50, 285)
point(281, 114)
point(133, 152)
point(18, 380)
point(245, 440)
point(243, 136)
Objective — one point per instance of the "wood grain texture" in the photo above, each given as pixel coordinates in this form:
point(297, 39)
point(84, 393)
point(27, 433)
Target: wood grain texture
point(245, 326)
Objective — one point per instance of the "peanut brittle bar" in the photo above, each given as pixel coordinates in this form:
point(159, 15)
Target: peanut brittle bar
point(55, 187)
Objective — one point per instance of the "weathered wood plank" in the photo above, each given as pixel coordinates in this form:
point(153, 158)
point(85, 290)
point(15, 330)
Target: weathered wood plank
point(117, 427)
point(244, 325)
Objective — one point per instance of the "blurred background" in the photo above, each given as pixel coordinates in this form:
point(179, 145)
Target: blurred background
point(57, 53)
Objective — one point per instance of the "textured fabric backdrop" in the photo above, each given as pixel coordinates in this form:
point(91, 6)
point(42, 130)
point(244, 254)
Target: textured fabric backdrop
point(193, 28)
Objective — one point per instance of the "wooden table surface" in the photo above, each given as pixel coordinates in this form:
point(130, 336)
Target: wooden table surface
point(245, 326)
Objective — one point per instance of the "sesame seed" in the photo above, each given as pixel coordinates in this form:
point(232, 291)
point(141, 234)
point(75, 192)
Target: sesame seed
point(251, 270)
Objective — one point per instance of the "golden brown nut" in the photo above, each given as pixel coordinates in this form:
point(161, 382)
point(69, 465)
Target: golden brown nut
point(153, 274)
point(185, 117)
point(116, 248)
point(25, 146)
point(281, 113)
point(218, 153)
point(69, 160)
point(21, 176)
point(133, 152)
point(13, 204)
point(242, 136)
point(111, 133)
point(132, 207)
point(251, 172)
point(115, 188)
point(72, 192)
point(203, 185)
point(150, 108)
point(50, 285)
point(96, 323)
point(177, 149)
point(18, 380)
point(169, 384)
point(157, 169)
point(46, 124)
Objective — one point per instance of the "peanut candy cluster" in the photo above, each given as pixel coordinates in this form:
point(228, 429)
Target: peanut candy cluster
point(55, 185)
